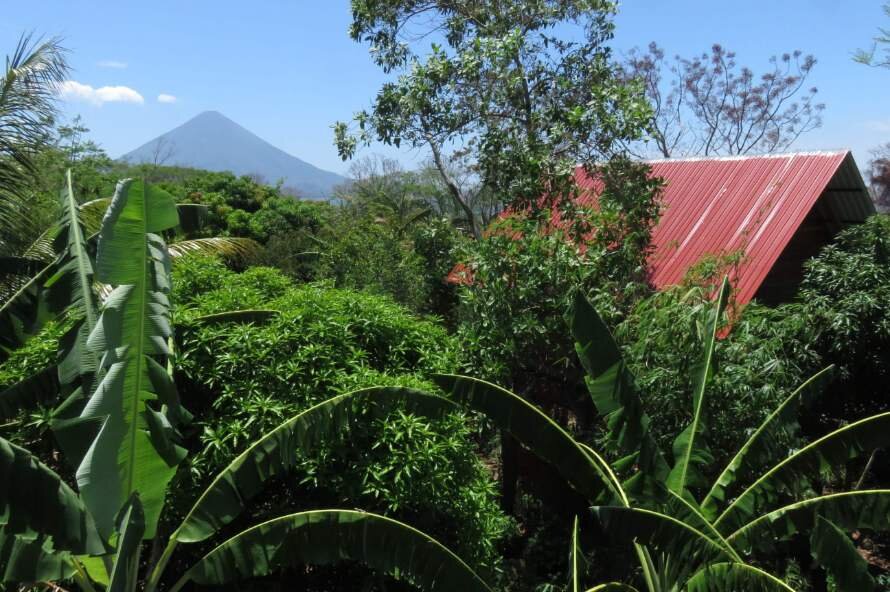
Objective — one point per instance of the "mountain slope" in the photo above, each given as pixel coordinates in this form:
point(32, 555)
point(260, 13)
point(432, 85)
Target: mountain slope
point(214, 142)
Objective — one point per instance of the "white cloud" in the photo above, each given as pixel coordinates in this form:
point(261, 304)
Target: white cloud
point(71, 90)
point(114, 64)
point(165, 98)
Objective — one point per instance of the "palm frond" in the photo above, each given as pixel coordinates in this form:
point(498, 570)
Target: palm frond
point(28, 90)
point(240, 250)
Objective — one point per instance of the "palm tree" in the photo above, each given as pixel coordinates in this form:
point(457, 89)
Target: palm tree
point(28, 90)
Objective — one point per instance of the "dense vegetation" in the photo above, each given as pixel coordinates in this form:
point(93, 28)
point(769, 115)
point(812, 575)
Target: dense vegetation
point(205, 382)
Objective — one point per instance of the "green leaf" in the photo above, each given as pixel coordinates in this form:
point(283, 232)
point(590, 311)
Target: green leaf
point(129, 528)
point(94, 569)
point(832, 450)
point(849, 510)
point(30, 394)
point(733, 577)
point(576, 559)
point(684, 508)
point(832, 548)
point(325, 537)
point(613, 587)
point(235, 316)
point(22, 317)
point(36, 504)
point(533, 429)
point(613, 390)
point(690, 449)
point(31, 559)
point(70, 288)
point(283, 448)
point(70, 291)
point(662, 532)
point(134, 411)
point(761, 447)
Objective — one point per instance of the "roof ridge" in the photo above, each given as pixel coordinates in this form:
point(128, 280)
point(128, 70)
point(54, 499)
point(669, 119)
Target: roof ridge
point(842, 152)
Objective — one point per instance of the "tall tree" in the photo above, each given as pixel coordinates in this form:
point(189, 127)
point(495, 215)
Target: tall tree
point(526, 89)
point(872, 56)
point(709, 105)
point(27, 109)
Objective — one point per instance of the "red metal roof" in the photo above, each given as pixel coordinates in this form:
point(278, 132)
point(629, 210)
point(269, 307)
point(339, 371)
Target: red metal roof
point(722, 205)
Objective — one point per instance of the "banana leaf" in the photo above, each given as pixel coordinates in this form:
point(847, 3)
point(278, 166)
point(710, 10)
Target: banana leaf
point(661, 532)
point(533, 429)
point(31, 559)
point(325, 537)
point(832, 450)
point(35, 504)
point(577, 561)
point(133, 415)
point(613, 390)
point(832, 548)
point(849, 510)
point(129, 528)
point(690, 448)
point(761, 448)
point(22, 316)
point(734, 577)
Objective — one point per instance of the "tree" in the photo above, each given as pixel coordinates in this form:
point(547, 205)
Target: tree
point(27, 109)
point(879, 176)
point(381, 187)
point(870, 57)
point(709, 105)
point(507, 84)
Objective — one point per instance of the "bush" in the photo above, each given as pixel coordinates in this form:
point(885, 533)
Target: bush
point(662, 341)
point(839, 317)
point(31, 429)
point(243, 379)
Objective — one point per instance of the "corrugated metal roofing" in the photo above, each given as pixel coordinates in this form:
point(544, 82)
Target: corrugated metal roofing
point(753, 204)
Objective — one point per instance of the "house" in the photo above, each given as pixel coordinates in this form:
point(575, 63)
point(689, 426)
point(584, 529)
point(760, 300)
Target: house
point(775, 211)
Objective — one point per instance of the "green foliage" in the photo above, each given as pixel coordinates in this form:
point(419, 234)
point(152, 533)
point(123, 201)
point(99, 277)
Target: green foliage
point(839, 318)
point(122, 434)
point(241, 206)
point(365, 254)
point(525, 99)
point(439, 246)
point(323, 342)
point(28, 88)
point(668, 519)
point(331, 536)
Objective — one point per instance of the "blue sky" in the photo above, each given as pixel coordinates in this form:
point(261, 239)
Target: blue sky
point(286, 69)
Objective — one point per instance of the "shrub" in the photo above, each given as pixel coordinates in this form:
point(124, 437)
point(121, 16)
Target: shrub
point(662, 342)
point(250, 377)
point(839, 317)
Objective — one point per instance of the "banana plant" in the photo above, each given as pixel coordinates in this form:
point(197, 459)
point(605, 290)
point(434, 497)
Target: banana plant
point(23, 306)
point(119, 429)
point(704, 535)
point(50, 534)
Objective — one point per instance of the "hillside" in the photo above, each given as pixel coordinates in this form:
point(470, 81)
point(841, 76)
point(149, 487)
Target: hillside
point(214, 142)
